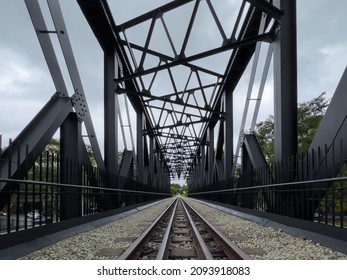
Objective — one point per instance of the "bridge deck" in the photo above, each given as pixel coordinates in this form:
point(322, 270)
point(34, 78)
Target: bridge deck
point(109, 237)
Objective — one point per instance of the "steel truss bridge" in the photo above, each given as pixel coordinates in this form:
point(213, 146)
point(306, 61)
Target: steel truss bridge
point(181, 88)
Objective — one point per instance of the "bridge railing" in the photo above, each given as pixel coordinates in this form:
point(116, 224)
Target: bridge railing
point(53, 190)
point(32, 204)
point(311, 186)
point(322, 201)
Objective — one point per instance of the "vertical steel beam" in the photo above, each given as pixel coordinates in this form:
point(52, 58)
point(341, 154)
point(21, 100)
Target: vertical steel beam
point(152, 160)
point(202, 165)
point(219, 152)
point(161, 177)
point(246, 199)
point(140, 150)
point(285, 83)
point(110, 114)
point(246, 166)
point(71, 172)
point(228, 134)
point(211, 153)
point(197, 180)
point(146, 174)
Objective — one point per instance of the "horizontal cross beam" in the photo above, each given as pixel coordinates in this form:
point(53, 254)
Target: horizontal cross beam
point(266, 37)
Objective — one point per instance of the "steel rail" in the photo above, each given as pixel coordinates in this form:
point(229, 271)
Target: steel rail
point(163, 253)
point(134, 249)
point(230, 248)
point(203, 251)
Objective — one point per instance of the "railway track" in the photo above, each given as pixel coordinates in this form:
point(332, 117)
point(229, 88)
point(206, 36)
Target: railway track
point(182, 233)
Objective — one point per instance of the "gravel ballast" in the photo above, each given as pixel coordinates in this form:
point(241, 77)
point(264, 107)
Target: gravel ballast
point(265, 243)
point(109, 241)
point(104, 243)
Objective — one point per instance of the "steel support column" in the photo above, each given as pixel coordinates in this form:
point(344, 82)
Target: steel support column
point(163, 177)
point(140, 151)
point(219, 152)
point(228, 134)
point(71, 168)
point(110, 114)
point(285, 83)
point(152, 179)
point(161, 174)
point(211, 153)
point(246, 199)
point(199, 173)
point(202, 165)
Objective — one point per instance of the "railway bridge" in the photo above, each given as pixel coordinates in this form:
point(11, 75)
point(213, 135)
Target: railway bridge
point(169, 82)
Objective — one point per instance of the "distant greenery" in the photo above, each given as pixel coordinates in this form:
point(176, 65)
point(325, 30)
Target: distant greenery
point(177, 189)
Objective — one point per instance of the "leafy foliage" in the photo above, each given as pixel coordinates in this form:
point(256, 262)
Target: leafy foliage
point(310, 114)
point(176, 189)
point(265, 134)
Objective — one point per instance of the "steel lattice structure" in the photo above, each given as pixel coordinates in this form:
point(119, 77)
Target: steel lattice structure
point(180, 99)
point(181, 113)
point(181, 86)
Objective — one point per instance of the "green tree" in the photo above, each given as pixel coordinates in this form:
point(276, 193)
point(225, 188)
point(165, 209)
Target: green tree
point(185, 190)
point(265, 134)
point(310, 114)
point(175, 189)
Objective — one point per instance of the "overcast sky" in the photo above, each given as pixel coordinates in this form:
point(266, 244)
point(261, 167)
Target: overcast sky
point(25, 83)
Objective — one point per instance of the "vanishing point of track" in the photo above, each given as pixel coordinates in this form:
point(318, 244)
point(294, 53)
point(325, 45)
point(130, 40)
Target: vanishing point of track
point(179, 233)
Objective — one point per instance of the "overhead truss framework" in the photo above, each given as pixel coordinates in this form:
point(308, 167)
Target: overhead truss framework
point(177, 76)
point(179, 81)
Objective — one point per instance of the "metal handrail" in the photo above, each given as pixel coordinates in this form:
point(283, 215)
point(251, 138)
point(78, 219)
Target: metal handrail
point(31, 182)
point(327, 180)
